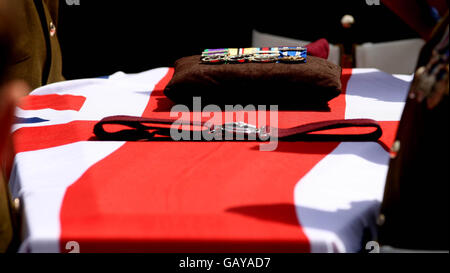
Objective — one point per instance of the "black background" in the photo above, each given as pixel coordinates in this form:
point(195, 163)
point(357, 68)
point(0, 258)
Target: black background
point(279, 262)
point(100, 37)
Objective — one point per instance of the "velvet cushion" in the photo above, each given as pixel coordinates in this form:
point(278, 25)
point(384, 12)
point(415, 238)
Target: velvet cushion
point(308, 84)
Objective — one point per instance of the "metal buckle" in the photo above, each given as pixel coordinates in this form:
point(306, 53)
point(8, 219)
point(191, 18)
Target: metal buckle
point(214, 58)
point(237, 58)
point(239, 129)
point(264, 57)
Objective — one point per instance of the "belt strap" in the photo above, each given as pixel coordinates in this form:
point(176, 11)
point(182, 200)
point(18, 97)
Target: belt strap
point(141, 128)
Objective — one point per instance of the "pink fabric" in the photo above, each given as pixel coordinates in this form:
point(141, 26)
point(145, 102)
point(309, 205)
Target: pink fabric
point(319, 48)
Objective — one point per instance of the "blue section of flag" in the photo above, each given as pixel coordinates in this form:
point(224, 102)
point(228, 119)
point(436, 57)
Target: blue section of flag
point(103, 77)
point(19, 120)
point(304, 53)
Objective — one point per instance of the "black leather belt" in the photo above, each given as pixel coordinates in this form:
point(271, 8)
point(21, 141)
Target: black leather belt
point(140, 128)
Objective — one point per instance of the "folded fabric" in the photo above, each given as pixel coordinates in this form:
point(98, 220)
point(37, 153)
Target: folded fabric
point(297, 85)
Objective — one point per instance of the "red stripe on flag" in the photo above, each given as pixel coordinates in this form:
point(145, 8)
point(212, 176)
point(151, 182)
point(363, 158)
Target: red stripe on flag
point(190, 197)
point(345, 77)
point(53, 101)
point(44, 137)
point(389, 133)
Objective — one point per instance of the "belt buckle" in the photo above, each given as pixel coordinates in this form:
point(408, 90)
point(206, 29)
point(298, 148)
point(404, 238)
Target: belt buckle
point(239, 129)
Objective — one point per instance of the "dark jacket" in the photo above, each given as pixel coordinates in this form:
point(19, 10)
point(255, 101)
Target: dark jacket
point(36, 56)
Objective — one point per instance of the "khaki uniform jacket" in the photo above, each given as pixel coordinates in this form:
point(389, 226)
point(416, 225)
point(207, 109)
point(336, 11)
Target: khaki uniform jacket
point(6, 232)
point(36, 56)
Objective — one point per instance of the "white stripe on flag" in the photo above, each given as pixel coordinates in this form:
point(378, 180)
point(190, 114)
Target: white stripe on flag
point(338, 197)
point(376, 95)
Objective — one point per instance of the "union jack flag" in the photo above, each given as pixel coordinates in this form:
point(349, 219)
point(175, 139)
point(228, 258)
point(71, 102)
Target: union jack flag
point(115, 196)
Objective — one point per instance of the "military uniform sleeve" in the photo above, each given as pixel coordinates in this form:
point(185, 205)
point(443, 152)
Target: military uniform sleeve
point(36, 55)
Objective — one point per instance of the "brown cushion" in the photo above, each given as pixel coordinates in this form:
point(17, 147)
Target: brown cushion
point(308, 84)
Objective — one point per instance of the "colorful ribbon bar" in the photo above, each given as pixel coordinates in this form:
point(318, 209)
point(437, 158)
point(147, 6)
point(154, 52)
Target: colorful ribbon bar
point(255, 54)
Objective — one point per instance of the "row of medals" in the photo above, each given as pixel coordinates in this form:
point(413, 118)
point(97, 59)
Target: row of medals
point(264, 55)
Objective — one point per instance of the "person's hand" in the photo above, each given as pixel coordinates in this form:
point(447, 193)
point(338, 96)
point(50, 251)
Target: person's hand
point(10, 95)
